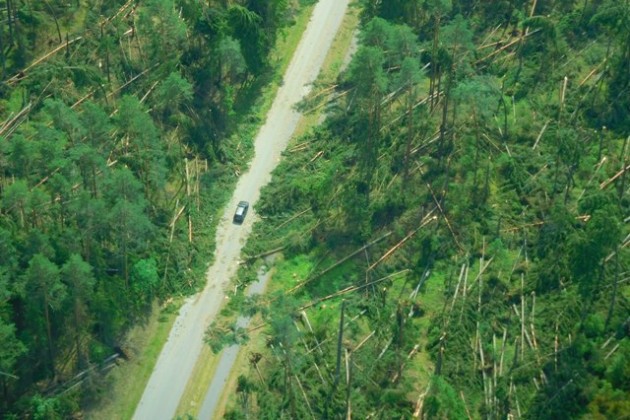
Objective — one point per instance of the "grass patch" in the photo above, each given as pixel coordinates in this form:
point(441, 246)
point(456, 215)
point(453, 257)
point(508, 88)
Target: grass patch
point(291, 272)
point(127, 383)
point(203, 372)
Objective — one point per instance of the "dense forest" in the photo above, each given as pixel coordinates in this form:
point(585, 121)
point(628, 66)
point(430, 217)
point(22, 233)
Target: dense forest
point(454, 236)
point(117, 148)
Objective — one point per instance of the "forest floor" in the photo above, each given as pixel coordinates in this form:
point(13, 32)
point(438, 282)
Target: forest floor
point(183, 347)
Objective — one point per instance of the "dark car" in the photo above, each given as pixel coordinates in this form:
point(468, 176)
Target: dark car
point(241, 212)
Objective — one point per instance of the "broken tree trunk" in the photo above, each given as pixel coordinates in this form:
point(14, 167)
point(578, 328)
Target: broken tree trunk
point(351, 289)
point(522, 318)
point(425, 221)
point(338, 365)
point(22, 74)
point(542, 131)
point(502, 351)
point(338, 263)
point(308, 405)
point(413, 351)
point(531, 321)
point(7, 124)
point(262, 254)
point(291, 219)
point(308, 352)
point(450, 228)
point(524, 333)
point(370, 335)
point(459, 280)
point(348, 386)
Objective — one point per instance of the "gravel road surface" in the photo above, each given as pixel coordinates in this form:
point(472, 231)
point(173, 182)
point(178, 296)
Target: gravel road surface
point(179, 355)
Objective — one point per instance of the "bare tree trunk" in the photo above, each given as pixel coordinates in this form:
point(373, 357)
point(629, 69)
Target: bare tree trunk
point(410, 133)
point(51, 354)
point(444, 124)
point(338, 367)
point(52, 12)
point(348, 385)
point(622, 184)
point(339, 345)
point(613, 298)
point(10, 15)
point(434, 66)
point(2, 57)
point(77, 336)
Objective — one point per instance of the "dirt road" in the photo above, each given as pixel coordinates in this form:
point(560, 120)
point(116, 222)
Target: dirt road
point(179, 355)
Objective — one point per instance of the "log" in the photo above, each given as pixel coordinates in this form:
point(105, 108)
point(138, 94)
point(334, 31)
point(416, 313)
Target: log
point(384, 349)
point(175, 218)
point(348, 387)
point(338, 263)
point(22, 74)
point(122, 9)
point(298, 147)
point(46, 178)
point(542, 131)
point(370, 335)
point(494, 359)
point(598, 167)
point(413, 351)
point(531, 321)
point(317, 155)
point(308, 351)
point(393, 249)
point(583, 218)
point(308, 405)
point(607, 342)
point(450, 228)
point(502, 351)
point(612, 351)
point(420, 402)
point(518, 406)
point(520, 251)
point(495, 52)
point(310, 328)
point(562, 93)
point(262, 254)
point(81, 100)
point(592, 72)
point(351, 289)
point(483, 43)
point(146, 95)
point(524, 331)
point(130, 81)
point(292, 218)
point(481, 271)
point(461, 276)
point(8, 123)
point(414, 293)
point(482, 360)
point(609, 181)
point(461, 394)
